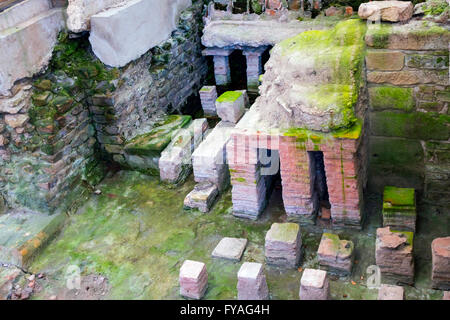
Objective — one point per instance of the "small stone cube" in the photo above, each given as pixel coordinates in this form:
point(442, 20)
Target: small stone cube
point(252, 283)
point(230, 248)
point(337, 255)
point(283, 245)
point(202, 197)
point(399, 208)
point(230, 106)
point(193, 279)
point(314, 285)
point(390, 292)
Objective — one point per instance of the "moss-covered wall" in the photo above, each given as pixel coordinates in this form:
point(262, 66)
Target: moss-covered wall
point(409, 90)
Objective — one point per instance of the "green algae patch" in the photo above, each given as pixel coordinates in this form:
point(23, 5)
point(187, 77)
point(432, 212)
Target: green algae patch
point(387, 97)
point(399, 196)
point(229, 96)
point(379, 35)
point(353, 132)
point(158, 138)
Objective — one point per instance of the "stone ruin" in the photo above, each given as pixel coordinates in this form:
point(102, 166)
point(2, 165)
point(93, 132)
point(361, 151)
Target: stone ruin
point(339, 108)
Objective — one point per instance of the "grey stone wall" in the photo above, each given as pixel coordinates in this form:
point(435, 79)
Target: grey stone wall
point(156, 84)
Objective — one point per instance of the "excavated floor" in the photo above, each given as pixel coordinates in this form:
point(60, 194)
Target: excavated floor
point(130, 241)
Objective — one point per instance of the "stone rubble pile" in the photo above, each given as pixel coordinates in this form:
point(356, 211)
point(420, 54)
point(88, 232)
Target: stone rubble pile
point(394, 255)
point(175, 163)
point(202, 197)
point(314, 285)
point(440, 276)
point(193, 279)
point(283, 245)
point(335, 254)
point(209, 159)
point(399, 208)
point(390, 292)
point(252, 283)
point(208, 97)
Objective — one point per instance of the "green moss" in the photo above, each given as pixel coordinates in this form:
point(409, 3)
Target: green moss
point(229, 96)
point(399, 196)
point(353, 132)
point(387, 97)
point(158, 138)
point(380, 35)
point(409, 236)
point(240, 180)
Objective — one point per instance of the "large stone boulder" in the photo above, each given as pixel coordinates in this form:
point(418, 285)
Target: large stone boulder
point(392, 11)
point(123, 33)
point(312, 80)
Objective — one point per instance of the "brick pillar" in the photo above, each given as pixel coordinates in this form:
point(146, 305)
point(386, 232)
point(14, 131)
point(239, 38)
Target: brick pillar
point(254, 67)
point(249, 188)
point(295, 178)
point(341, 167)
point(221, 64)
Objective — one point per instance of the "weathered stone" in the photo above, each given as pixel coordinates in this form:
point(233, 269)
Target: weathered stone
point(408, 77)
point(392, 11)
point(19, 61)
point(399, 208)
point(336, 254)
point(252, 283)
point(3, 141)
point(208, 96)
point(314, 285)
point(440, 249)
point(230, 106)
point(122, 34)
point(390, 97)
point(283, 245)
point(394, 255)
point(14, 104)
point(16, 120)
point(385, 60)
point(193, 279)
point(230, 248)
point(446, 295)
point(22, 12)
point(79, 12)
point(414, 35)
point(427, 61)
point(390, 292)
point(3, 206)
point(202, 197)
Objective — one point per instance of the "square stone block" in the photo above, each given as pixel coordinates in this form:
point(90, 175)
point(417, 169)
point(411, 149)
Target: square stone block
point(337, 255)
point(193, 279)
point(252, 283)
point(314, 285)
point(399, 208)
point(230, 248)
point(202, 197)
point(390, 292)
point(230, 106)
point(283, 245)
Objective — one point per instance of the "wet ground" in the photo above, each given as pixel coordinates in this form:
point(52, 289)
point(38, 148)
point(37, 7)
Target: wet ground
point(130, 241)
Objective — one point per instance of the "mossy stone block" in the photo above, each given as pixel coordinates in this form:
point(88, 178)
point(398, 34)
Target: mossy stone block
point(158, 138)
point(229, 96)
point(388, 97)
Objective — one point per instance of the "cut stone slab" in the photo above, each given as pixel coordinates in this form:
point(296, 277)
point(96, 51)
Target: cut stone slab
point(283, 245)
point(314, 285)
point(252, 284)
point(440, 275)
point(390, 292)
point(22, 12)
point(393, 254)
point(193, 279)
point(392, 11)
point(175, 163)
point(208, 97)
point(209, 159)
point(337, 255)
point(23, 233)
point(230, 248)
point(230, 106)
point(399, 208)
point(18, 61)
point(122, 34)
point(202, 197)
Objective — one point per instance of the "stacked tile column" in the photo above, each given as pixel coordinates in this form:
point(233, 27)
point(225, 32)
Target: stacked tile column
point(222, 71)
point(254, 67)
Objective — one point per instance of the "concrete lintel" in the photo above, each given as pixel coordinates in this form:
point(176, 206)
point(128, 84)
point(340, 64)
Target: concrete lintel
point(251, 51)
point(217, 52)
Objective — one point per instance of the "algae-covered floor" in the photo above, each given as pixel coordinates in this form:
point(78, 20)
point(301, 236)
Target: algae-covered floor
point(130, 241)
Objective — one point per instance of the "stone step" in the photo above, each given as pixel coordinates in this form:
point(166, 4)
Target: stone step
point(23, 233)
point(22, 12)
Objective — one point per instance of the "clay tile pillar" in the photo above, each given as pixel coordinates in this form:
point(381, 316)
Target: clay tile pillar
point(221, 64)
point(254, 67)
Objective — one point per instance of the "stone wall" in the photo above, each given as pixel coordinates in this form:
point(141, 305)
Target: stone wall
point(158, 83)
point(409, 92)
